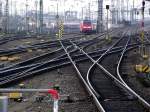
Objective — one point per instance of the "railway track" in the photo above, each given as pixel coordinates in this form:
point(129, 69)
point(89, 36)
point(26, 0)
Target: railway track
point(34, 65)
point(29, 67)
point(107, 89)
point(43, 45)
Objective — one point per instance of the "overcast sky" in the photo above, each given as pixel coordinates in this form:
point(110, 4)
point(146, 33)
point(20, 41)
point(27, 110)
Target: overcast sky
point(51, 5)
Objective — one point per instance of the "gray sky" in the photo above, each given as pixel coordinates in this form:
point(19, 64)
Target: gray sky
point(75, 5)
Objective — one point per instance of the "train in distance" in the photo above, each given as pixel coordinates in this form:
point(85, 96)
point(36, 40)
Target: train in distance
point(86, 26)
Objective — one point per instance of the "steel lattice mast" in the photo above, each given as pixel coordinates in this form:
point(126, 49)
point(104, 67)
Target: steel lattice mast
point(100, 16)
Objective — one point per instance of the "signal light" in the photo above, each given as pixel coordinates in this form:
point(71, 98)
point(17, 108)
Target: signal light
point(107, 7)
point(143, 3)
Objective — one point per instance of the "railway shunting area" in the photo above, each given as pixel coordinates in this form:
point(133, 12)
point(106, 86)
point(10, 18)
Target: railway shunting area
point(73, 56)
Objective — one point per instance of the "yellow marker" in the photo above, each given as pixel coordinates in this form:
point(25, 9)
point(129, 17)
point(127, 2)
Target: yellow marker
point(29, 50)
point(21, 84)
point(145, 56)
point(148, 70)
point(28, 42)
point(59, 34)
point(144, 68)
point(11, 59)
point(4, 58)
point(138, 68)
point(16, 57)
point(14, 95)
point(142, 36)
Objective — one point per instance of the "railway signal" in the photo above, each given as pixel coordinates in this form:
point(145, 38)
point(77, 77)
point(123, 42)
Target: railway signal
point(142, 32)
point(108, 36)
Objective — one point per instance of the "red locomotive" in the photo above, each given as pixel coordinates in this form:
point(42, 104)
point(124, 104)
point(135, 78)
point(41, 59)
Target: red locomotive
point(86, 26)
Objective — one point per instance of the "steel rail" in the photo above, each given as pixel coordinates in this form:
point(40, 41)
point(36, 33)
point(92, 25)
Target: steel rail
point(93, 54)
point(39, 68)
point(19, 76)
point(85, 83)
point(43, 55)
point(111, 76)
point(88, 73)
point(143, 101)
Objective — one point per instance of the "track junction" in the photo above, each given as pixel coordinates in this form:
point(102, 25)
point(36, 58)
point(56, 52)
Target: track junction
point(98, 63)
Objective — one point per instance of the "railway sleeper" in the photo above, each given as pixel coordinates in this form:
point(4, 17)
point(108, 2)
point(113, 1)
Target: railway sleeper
point(122, 106)
point(125, 91)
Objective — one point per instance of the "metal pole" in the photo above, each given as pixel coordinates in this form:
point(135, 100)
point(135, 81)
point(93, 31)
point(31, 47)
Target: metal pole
point(27, 18)
point(16, 27)
point(108, 38)
point(122, 9)
point(113, 11)
point(54, 94)
point(142, 25)
point(1, 14)
point(36, 16)
point(107, 22)
point(6, 17)
point(82, 13)
point(64, 8)
point(127, 9)
point(3, 104)
point(57, 19)
point(133, 11)
point(118, 11)
point(57, 7)
point(0, 8)
point(89, 11)
point(41, 16)
point(22, 90)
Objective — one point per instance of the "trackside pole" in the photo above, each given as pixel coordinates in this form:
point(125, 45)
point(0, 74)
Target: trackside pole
point(55, 96)
point(4, 99)
point(3, 104)
point(55, 107)
point(142, 27)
